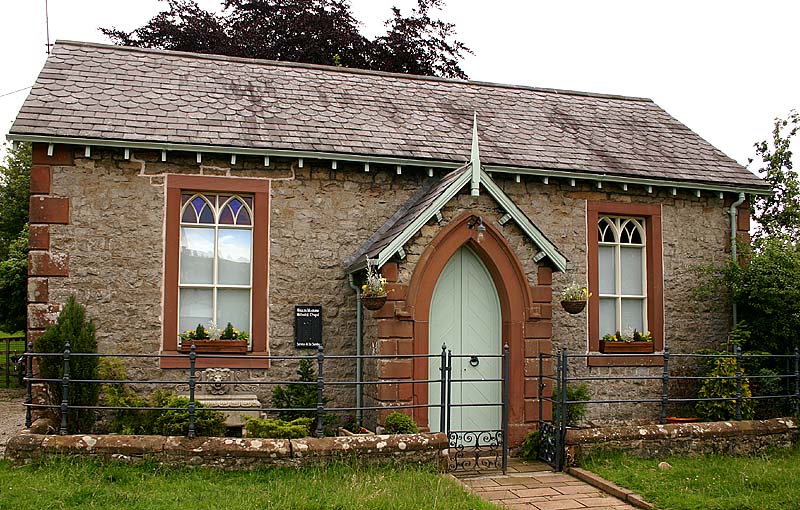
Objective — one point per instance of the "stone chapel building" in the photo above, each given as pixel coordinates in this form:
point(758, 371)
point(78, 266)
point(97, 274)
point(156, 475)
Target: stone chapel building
point(172, 188)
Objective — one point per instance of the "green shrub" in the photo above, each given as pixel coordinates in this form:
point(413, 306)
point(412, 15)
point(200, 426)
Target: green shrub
point(117, 394)
point(207, 422)
point(531, 445)
point(575, 412)
point(277, 429)
point(73, 328)
point(298, 396)
point(176, 422)
point(723, 410)
point(399, 423)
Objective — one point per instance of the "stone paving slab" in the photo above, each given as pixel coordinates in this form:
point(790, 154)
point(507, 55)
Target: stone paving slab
point(532, 486)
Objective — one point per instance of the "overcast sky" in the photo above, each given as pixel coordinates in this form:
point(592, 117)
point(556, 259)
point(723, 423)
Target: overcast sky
point(724, 68)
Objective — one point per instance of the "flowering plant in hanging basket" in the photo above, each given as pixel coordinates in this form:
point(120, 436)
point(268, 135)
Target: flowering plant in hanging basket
point(373, 292)
point(574, 297)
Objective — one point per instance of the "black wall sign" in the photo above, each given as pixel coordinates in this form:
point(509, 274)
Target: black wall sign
point(307, 325)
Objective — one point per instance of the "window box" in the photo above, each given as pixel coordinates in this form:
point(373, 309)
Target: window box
point(626, 347)
point(215, 346)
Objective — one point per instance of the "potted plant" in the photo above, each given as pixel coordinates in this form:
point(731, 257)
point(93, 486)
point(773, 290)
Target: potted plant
point(212, 339)
point(632, 342)
point(574, 297)
point(373, 292)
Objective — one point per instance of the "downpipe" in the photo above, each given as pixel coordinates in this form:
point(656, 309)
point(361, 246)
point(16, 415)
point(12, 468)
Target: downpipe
point(734, 213)
point(359, 350)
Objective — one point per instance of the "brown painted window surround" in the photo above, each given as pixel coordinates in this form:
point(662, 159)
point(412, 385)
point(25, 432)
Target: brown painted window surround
point(259, 190)
point(655, 279)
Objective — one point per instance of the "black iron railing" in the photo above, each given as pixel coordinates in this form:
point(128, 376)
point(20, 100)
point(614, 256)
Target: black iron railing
point(553, 431)
point(467, 455)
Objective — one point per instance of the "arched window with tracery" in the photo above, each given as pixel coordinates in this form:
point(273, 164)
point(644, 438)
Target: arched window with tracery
point(215, 276)
point(622, 274)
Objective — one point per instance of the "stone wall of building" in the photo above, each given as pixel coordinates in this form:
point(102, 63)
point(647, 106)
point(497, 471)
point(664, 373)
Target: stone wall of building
point(97, 232)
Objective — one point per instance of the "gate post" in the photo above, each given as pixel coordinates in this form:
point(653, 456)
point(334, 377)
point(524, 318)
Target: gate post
point(28, 385)
point(65, 391)
point(665, 387)
point(562, 415)
point(505, 406)
point(320, 390)
point(443, 389)
point(797, 381)
point(449, 388)
point(192, 382)
point(738, 382)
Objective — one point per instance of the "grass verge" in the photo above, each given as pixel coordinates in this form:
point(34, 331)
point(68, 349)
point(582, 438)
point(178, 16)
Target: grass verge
point(713, 482)
point(75, 484)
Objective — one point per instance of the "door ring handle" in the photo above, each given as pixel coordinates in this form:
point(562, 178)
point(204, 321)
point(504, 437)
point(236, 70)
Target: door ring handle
point(474, 361)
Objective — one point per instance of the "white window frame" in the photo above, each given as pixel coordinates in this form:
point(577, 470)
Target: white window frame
point(617, 224)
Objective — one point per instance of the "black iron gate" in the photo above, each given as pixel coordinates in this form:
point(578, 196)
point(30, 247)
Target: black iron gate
point(476, 450)
point(552, 433)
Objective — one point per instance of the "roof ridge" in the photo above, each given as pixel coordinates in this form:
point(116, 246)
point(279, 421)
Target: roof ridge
point(350, 70)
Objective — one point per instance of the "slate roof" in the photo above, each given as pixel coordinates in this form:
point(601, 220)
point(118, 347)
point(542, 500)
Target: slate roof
point(106, 92)
point(414, 208)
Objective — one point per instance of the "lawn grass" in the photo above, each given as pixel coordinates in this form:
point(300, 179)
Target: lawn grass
point(75, 484)
point(713, 482)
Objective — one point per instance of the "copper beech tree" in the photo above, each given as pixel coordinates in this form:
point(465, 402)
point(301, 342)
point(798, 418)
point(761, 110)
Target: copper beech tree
point(310, 31)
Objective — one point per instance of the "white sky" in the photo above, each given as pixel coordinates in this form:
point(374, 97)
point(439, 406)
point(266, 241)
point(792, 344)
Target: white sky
point(724, 68)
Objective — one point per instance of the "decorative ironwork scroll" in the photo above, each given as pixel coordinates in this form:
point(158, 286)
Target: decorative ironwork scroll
point(476, 450)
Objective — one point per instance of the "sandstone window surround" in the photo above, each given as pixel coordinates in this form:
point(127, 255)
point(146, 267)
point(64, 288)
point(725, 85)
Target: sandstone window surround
point(225, 221)
point(625, 273)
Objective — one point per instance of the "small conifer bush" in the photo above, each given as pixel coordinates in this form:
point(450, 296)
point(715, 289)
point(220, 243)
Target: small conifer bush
point(74, 329)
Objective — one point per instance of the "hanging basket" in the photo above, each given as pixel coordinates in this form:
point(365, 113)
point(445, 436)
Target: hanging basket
point(573, 307)
point(373, 302)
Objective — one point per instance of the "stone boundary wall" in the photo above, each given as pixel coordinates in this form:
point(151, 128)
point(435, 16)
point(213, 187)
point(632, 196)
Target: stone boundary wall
point(234, 453)
point(746, 437)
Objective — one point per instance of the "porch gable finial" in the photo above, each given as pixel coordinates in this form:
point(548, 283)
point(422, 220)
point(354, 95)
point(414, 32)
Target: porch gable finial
point(475, 159)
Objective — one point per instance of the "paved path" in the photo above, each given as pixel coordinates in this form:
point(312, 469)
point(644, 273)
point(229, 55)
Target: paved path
point(12, 415)
point(533, 486)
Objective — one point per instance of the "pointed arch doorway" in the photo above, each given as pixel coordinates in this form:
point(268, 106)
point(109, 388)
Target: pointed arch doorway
point(520, 314)
point(465, 316)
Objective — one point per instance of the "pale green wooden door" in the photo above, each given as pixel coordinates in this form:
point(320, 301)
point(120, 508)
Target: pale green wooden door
point(465, 315)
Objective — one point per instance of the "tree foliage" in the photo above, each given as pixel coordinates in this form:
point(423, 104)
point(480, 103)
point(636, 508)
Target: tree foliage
point(723, 385)
point(15, 179)
point(766, 290)
point(778, 214)
point(14, 283)
point(15, 183)
point(310, 31)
